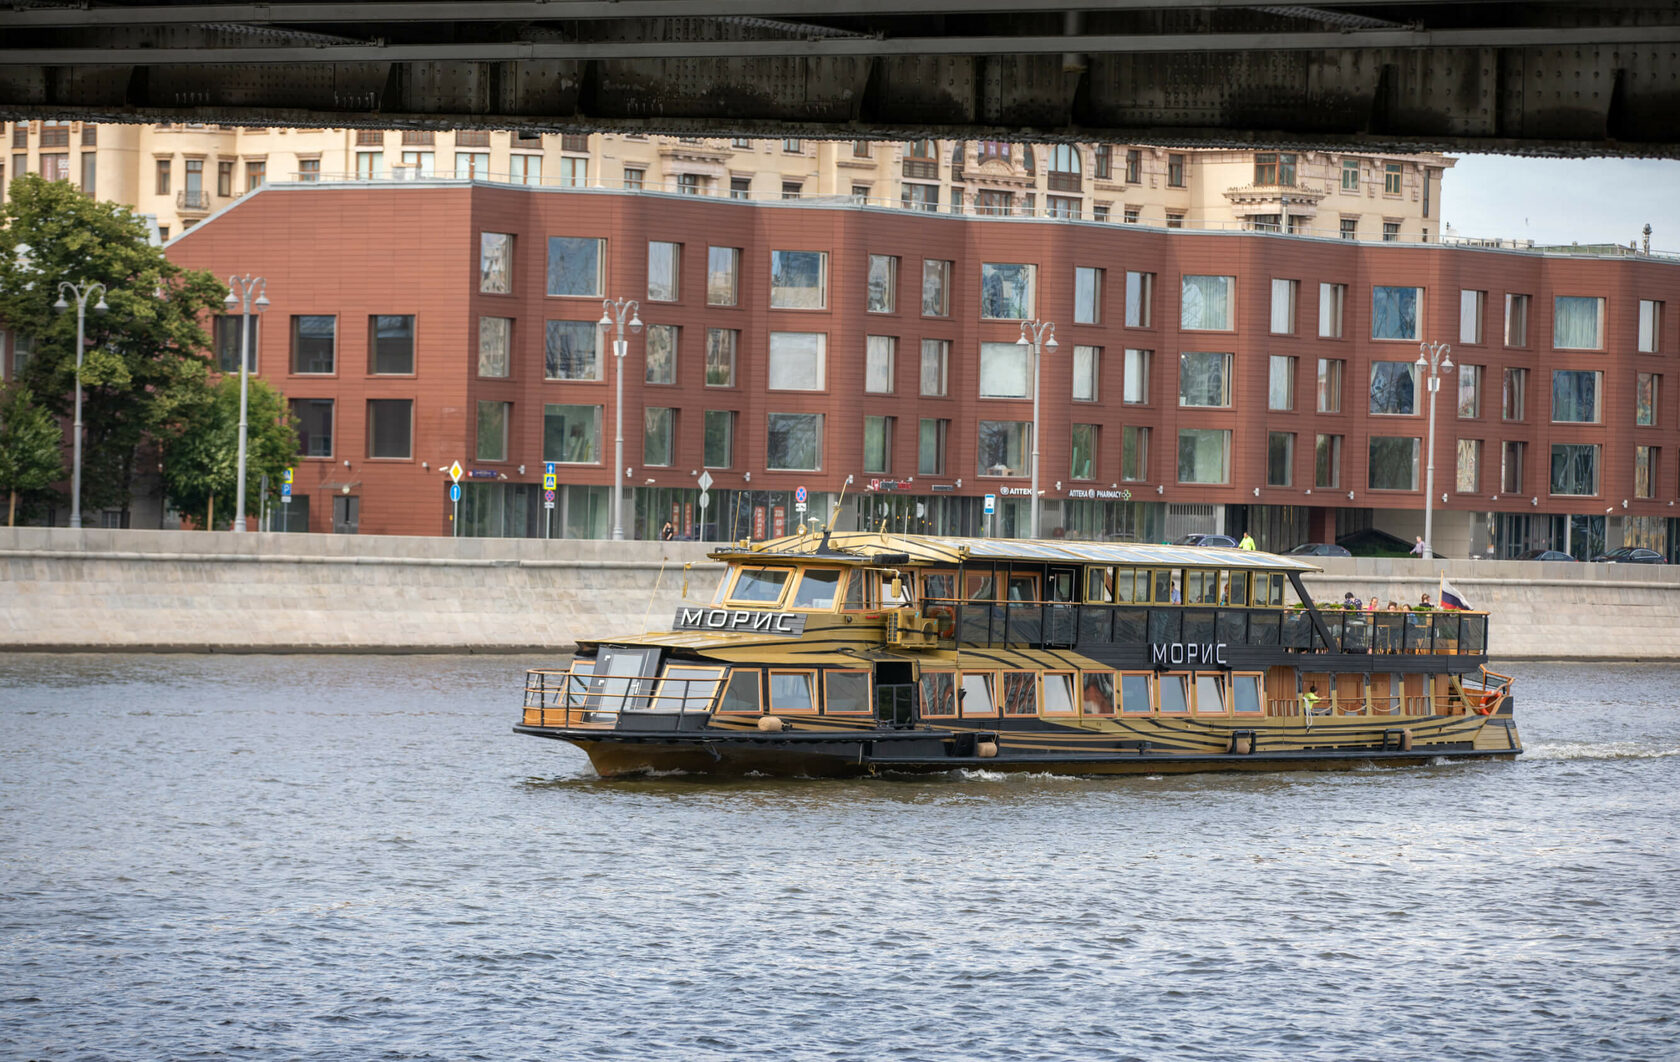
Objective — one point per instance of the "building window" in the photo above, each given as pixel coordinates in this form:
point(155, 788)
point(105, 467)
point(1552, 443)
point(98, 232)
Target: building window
point(1280, 383)
point(1135, 388)
point(1330, 384)
point(1140, 300)
point(309, 170)
point(1206, 303)
point(661, 354)
point(1129, 215)
point(578, 142)
point(792, 147)
point(1514, 404)
point(1350, 228)
point(877, 444)
point(936, 288)
point(1644, 471)
point(1469, 477)
point(370, 165)
point(798, 361)
point(1175, 219)
point(930, 447)
point(1575, 396)
point(794, 442)
point(1005, 370)
point(224, 179)
point(664, 269)
point(1175, 171)
point(1350, 175)
point(390, 428)
point(798, 280)
point(1574, 468)
point(1204, 379)
point(1516, 320)
point(1086, 362)
point(936, 367)
point(1003, 447)
point(878, 364)
point(634, 179)
point(1471, 308)
point(1330, 300)
point(574, 173)
point(924, 197)
point(495, 263)
point(1283, 306)
point(1469, 392)
point(1007, 291)
point(90, 173)
point(1394, 312)
point(472, 138)
point(792, 189)
point(226, 337)
point(1103, 164)
point(723, 276)
point(1511, 467)
point(1084, 452)
point(720, 358)
point(1280, 459)
point(391, 344)
point(1204, 455)
point(1577, 323)
point(1087, 295)
point(1645, 399)
point(572, 434)
point(313, 343)
point(657, 436)
point(860, 194)
point(1391, 231)
point(719, 450)
point(1394, 388)
point(1134, 453)
point(314, 418)
point(523, 169)
point(162, 176)
point(1099, 212)
point(1650, 326)
point(1274, 169)
point(691, 184)
point(1394, 463)
point(1327, 461)
point(1134, 166)
point(574, 266)
point(882, 284)
point(1062, 206)
point(571, 351)
point(492, 431)
point(1391, 178)
point(495, 341)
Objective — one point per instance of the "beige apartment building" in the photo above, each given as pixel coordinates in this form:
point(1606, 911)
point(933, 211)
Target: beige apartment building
point(181, 173)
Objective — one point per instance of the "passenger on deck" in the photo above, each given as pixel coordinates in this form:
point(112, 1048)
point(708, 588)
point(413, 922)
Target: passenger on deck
point(1310, 699)
point(1426, 603)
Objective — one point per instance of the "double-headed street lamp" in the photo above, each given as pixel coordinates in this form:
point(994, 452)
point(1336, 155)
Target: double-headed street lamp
point(83, 292)
point(246, 286)
point(1040, 335)
point(613, 313)
point(1434, 357)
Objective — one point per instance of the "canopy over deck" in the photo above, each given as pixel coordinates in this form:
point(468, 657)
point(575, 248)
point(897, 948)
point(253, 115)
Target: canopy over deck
point(869, 547)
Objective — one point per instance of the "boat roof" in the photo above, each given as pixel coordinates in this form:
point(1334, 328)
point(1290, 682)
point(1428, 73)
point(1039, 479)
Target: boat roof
point(874, 547)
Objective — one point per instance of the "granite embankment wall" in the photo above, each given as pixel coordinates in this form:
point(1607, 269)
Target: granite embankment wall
point(219, 592)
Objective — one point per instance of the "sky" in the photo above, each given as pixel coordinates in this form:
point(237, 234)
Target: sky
point(1564, 200)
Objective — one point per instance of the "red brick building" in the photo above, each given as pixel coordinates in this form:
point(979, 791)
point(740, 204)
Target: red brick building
point(1200, 381)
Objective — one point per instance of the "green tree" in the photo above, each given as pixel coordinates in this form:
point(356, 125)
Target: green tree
point(200, 462)
point(31, 448)
point(146, 365)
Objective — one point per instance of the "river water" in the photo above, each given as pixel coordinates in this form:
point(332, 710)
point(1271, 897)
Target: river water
point(352, 857)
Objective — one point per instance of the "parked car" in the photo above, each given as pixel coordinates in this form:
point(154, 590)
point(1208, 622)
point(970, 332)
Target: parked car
point(1317, 549)
point(1206, 540)
point(1543, 555)
point(1633, 555)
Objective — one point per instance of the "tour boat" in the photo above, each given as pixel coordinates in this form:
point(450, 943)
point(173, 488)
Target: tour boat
point(860, 653)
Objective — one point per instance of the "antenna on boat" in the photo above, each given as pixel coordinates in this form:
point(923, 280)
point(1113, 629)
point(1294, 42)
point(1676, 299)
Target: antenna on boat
point(834, 512)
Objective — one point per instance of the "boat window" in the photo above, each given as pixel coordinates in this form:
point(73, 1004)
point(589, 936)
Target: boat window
point(817, 588)
point(888, 598)
point(741, 695)
point(1099, 585)
point(1201, 587)
point(978, 587)
point(578, 684)
point(1391, 698)
point(1175, 693)
point(939, 693)
point(939, 586)
point(1236, 589)
point(1058, 693)
point(846, 692)
point(1210, 694)
point(792, 691)
point(1061, 584)
point(1268, 589)
point(622, 679)
point(721, 594)
point(1163, 584)
point(1023, 586)
point(687, 689)
point(857, 592)
point(1245, 694)
point(976, 696)
point(1134, 694)
point(1099, 693)
point(1125, 585)
point(1020, 693)
point(760, 585)
point(1350, 694)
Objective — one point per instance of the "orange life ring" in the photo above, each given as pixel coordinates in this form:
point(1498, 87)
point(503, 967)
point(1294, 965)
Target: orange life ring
point(1488, 703)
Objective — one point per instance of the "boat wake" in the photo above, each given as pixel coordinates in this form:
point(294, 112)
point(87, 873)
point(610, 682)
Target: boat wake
point(1598, 750)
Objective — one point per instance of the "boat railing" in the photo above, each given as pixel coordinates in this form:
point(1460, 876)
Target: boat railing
point(1386, 706)
point(1068, 624)
point(568, 698)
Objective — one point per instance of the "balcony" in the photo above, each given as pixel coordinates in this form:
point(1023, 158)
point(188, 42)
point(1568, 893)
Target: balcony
point(187, 199)
point(1061, 181)
point(921, 169)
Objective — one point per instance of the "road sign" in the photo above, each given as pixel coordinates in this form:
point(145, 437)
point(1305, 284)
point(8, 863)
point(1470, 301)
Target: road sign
point(549, 482)
point(799, 496)
point(705, 499)
point(455, 471)
point(286, 491)
point(548, 496)
point(705, 481)
point(991, 504)
point(286, 477)
point(799, 507)
point(454, 492)
point(548, 469)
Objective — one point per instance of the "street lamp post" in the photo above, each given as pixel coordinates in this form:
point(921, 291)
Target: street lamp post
point(613, 312)
point(83, 292)
point(245, 286)
point(1040, 335)
point(1434, 357)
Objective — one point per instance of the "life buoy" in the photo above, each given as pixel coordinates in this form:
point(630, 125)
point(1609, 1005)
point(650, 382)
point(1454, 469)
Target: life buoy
point(1488, 703)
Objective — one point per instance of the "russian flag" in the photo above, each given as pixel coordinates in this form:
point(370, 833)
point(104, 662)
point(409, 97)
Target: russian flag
point(1450, 597)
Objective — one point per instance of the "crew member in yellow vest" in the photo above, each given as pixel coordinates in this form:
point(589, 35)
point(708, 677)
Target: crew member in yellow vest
point(1247, 541)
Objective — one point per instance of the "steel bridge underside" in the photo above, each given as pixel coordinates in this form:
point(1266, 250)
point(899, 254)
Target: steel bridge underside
point(1547, 78)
